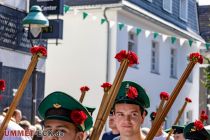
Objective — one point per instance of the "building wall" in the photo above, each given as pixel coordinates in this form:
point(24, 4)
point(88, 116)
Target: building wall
point(15, 57)
point(156, 83)
point(156, 8)
point(80, 59)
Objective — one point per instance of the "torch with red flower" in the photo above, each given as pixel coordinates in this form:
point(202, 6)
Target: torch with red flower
point(39, 50)
point(83, 90)
point(194, 58)
point(126, 59)
point(78, 117)
point(187, 100)
point(164, 96)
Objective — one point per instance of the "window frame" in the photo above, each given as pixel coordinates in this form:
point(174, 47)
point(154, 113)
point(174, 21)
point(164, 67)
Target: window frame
point(133, 41)
point(156, 57)
point(171, 6)
point(174, 56)
point(186, 10)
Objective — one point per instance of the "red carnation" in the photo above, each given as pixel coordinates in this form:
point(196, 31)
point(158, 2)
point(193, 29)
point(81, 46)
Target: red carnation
point(106, 86)
point(132, 92)
point(196, 57)
point(39, 50)
point(131, 56)
point(84, 88)
point(188, 100)
point(121, 55)
point(164, 96)
point(78, 116)
point(198, 125)
point(2, 85)
point(203, 116)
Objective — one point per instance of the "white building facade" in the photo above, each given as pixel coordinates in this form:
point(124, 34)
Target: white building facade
point(86, 55)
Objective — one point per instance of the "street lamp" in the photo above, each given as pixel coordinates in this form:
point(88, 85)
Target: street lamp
point(35, 20)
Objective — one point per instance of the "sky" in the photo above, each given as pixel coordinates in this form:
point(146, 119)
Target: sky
point(204, 2)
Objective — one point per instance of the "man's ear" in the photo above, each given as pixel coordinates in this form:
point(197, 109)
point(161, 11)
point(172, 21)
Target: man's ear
point(79, 136)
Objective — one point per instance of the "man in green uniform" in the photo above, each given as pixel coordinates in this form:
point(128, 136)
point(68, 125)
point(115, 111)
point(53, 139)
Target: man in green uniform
point(64, 117)
point(129, 111)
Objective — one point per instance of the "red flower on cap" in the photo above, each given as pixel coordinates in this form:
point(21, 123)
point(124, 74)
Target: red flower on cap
point(84, 88)
point(2, 85)
point(203, 116)
point(164, 96)
point(131, 56)
point(198, 125)
point(78, 117)
point(196, 57)
point(188, 100)
point(106, 86)
point(39, 50)
point(132, 92)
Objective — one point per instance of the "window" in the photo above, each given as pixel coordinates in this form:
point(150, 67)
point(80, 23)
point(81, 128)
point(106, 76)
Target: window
point(167, 5)
point(132, 43)
point(19, 4)
point(155, 57)
point(149, 0)
point(173, 71)
point(183, 12)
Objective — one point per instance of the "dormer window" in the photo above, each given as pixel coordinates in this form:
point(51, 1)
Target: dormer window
point(167, 5)
point(183, 12)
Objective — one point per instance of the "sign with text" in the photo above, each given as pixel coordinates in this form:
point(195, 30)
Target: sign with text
point(49, 7)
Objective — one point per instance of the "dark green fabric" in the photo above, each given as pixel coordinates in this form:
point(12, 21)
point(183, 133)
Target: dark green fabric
point(141, 100)
point(66, 102)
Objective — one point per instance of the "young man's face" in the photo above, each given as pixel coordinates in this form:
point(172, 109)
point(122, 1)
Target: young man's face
point(67, 130)
point(128, 119)
point(179, 137)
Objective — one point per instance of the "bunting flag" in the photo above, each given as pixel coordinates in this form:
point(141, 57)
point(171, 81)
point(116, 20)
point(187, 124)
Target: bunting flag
point(164, 37)
point(129, 28)
point(173, 39)
point(138, 30)
point(121, 26)
point(94, 17)
point(147, 33)
point(207, 45)
point(190, 42)
point(156, 35)
point(182, 40)
point(66, 8)
point(103, 20)
point(85, 15)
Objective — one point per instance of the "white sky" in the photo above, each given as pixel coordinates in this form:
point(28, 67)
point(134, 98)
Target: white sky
point(204, 2)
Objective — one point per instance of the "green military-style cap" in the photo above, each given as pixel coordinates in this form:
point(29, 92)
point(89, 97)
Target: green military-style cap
point(60, 106)
point(132, 93)
point(90, 109)
point(178, 129)
point(190, 132)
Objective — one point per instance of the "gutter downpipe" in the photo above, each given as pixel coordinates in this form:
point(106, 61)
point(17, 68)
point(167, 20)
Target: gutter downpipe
point(108, 78)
